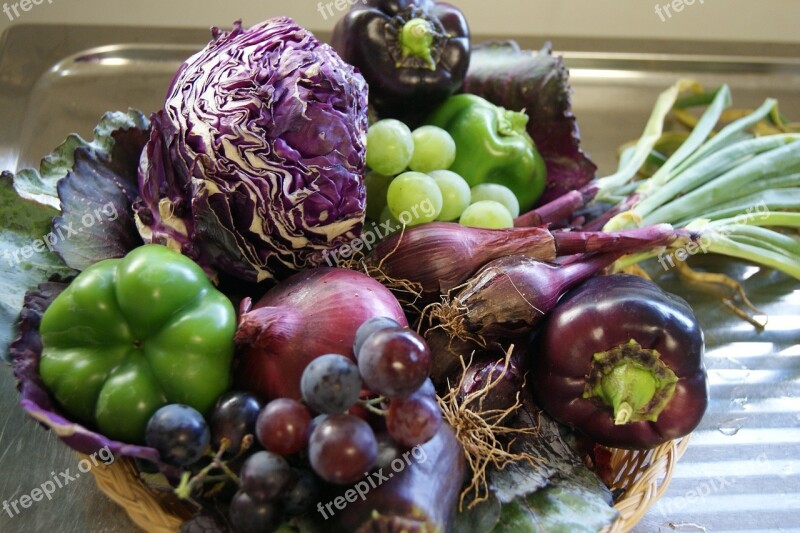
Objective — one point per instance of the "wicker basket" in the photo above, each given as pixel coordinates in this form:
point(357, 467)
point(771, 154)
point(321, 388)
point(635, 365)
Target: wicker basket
point(642, 477)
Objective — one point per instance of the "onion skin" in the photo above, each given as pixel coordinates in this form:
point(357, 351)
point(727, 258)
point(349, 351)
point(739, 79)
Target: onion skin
point(511, 295)
point(605, 312)
point(442, 255)
point(507, 386)
point(312, 313)
point(447, 352)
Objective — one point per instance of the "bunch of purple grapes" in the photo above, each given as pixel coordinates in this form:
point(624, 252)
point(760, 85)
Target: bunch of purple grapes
point(342, 446)
point(393, 362)
point(353, 417)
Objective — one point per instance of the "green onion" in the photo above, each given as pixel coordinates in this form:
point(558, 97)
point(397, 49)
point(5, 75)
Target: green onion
point(652, 132)
point(732, 188)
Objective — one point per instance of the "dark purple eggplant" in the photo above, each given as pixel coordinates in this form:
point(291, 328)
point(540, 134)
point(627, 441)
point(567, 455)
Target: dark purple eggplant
point(621, 361)
point(413, 53)
point(419, 496)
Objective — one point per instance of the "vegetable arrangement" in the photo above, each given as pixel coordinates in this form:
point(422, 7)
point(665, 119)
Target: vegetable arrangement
point(463, 352)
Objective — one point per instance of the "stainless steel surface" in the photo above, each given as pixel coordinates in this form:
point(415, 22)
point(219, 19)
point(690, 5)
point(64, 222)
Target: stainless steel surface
point(742, 470)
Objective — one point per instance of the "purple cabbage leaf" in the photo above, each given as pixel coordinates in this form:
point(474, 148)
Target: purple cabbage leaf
point(97, 196)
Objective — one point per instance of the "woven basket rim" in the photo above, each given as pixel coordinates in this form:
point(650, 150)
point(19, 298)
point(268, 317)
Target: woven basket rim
point(643, 475)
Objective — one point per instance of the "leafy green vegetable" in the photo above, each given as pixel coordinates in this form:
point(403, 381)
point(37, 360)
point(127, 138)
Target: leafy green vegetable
point(25, 260)
point(100, 174)
point(96, 199)
point(569, 506)
point(724, 186)
point(559, 493)
point(481, 518)
point(41, 186)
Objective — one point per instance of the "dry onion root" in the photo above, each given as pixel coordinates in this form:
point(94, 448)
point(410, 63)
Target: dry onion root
point(449, 315)
point(482, 432)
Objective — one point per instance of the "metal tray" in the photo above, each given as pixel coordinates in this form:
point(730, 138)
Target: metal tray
point(741, 471)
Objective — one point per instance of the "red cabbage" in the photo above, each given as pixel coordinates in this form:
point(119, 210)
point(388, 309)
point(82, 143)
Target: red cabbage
point(255, 165)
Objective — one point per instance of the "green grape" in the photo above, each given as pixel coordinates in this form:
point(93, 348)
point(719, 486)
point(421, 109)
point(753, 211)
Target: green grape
point(377, 185)
point(487, 214)
point(434, 149)
point(414, 198)
point(389, 147)
point(498, 193)
point(455, 194)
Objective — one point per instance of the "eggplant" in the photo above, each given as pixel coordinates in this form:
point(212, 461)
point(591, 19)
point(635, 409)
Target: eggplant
point(421, 496)
point(621, 361)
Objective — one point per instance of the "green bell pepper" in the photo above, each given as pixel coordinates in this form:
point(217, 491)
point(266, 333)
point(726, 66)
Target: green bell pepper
point(492, 146)
point(133, 334)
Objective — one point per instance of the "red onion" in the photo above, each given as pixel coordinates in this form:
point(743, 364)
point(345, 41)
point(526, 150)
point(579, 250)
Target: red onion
point(312, 313)
point(509, 296)
point(558, 211)
point(440, 256)
point(501, 380)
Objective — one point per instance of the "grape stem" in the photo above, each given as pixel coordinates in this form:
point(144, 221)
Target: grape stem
point(370, 405)
point(188, 482)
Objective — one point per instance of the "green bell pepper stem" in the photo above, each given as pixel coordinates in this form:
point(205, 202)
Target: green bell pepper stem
point(634, 382)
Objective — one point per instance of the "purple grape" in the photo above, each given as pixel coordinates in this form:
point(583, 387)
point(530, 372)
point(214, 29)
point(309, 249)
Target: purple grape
point(369, 327)
point(265, 476)
point(179, 433)
point(249, 515)
point(342, 449)
point(413, 420)
point(331, 384)
point(394, 362)
point(302, 494)
point(232, 417)
point(282, 427)
point(426, 389)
